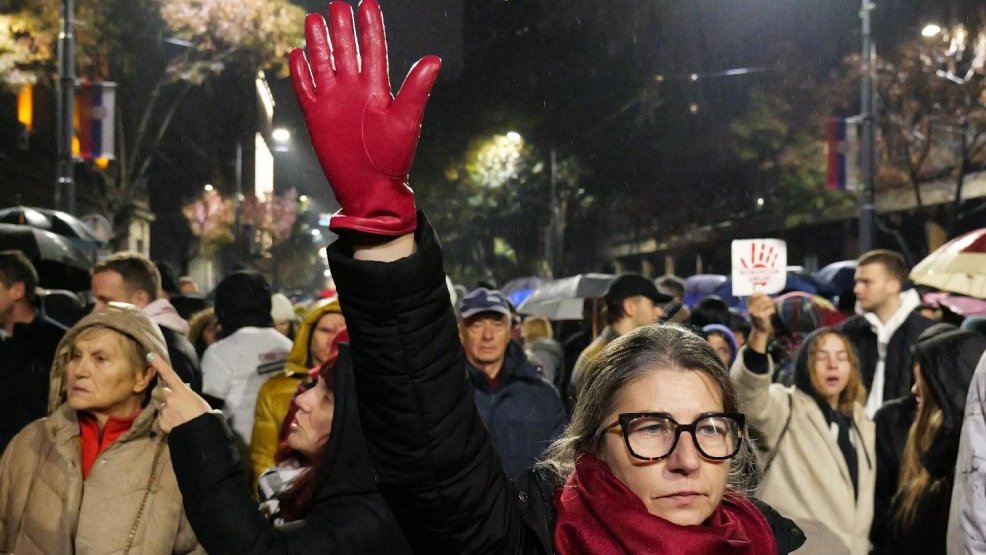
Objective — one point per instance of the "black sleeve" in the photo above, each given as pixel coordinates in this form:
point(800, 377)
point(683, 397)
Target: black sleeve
point(226, 518)
point(755, 362)
point(183, 359)
point(435, 462)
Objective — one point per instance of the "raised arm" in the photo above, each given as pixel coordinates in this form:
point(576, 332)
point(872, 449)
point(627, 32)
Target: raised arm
point(434, 460)
point(766, 406)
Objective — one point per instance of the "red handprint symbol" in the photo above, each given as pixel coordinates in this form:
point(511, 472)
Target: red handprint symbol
point(761, 263)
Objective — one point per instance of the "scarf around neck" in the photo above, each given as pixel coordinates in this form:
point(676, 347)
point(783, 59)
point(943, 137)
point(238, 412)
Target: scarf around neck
point(598, 514)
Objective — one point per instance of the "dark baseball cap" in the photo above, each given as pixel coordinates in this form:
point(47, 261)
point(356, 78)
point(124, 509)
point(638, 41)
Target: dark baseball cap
point(632, 285)
point(482, 299)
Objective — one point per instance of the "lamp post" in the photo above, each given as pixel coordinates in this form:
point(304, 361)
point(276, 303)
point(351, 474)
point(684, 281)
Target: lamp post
point(867, 155)
point(65, 184)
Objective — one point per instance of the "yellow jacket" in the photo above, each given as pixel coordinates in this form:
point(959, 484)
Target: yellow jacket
point(276, 394)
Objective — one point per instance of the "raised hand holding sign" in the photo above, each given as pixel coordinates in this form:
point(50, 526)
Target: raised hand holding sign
point(364, 137)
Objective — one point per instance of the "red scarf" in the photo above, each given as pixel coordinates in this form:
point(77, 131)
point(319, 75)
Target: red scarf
point(95, 441)
point(598, 514)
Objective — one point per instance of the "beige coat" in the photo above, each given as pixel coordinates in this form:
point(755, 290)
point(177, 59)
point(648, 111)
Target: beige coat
point(45, 505)
point(808, 480)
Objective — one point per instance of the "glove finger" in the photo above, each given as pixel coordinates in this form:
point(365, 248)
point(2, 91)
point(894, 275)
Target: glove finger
point(301, 78)
point(373, 46)
point(319, 50)
point(342, 31)
point(411, 99)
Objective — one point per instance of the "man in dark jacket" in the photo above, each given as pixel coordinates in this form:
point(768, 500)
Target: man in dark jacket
point(130, 277)
point(27, 346)
point(886, 329)
point(521, 409)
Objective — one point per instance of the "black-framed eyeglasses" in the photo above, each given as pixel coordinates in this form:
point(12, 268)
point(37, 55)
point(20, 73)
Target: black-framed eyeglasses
point(652, 436)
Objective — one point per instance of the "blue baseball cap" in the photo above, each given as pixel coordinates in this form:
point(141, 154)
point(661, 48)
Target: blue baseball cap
point(484, 300)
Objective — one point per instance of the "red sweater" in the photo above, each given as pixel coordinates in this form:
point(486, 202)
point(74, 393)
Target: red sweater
point(95, 441)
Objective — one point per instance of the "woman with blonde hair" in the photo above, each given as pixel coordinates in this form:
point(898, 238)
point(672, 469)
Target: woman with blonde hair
point(542, 349)
point(95, 476)
point(943, 368)
point(815, 437)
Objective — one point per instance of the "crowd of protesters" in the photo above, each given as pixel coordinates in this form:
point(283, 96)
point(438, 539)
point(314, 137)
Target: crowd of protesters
point(395, 416)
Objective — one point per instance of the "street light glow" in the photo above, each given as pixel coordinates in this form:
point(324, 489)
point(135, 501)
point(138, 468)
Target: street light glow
point(513, 136)
point(930, 30)
point(281, 135)
point(208, 187)
point(303, 198)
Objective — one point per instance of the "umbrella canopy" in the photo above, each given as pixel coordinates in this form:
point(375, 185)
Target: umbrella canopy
point(841, 275)
point(55, 221)
point(60, 263)
point(699, 286)
point(562, 299)
point(517, 290)
point(958, 266)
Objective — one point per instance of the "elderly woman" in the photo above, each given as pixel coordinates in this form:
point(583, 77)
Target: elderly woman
point(644, 466)
point(818, 441)
point(95, 475)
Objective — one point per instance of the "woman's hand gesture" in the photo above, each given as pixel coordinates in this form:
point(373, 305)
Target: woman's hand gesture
point(178, 403)
point(364, 138)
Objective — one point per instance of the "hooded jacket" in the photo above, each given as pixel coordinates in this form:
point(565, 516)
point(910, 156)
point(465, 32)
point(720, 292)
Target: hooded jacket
point(348, 515)
point(967, 513)
point(275, 395)
point(948, 361)
point(130, 491)
point(808, 479)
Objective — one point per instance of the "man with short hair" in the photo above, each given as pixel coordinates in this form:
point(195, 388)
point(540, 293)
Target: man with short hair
point(886, 326)
point(28, 341)
point(632, 301)
point(521, 410)
point(130, 277)
point(249, 353)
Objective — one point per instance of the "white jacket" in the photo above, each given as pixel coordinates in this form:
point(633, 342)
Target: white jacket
point(967, 514)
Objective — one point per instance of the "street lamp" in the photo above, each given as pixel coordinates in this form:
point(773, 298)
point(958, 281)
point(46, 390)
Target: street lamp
point(931, 30)
point(281, 135)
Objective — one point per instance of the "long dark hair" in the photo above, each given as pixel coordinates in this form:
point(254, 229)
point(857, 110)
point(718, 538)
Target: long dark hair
point(296, 501)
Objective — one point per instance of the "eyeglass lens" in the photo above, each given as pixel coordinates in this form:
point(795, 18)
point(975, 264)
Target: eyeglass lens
point(653, 437)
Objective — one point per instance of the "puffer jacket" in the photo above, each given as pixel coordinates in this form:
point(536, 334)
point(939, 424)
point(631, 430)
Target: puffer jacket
point(808, 479)
point(435, 463)
point(45, 504)
point(347, 514)
point(275, 394)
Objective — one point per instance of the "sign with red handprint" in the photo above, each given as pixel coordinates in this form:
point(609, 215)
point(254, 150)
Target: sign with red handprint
point(759, 265)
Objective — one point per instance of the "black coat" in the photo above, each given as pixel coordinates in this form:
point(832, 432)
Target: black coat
point(348, 515)
point(25, 367)
point(435, 461)
point(183, 357)
point(898, 377)
point(948, 362)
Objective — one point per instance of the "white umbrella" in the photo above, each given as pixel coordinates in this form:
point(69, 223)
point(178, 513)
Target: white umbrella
point(958, 266)
point(562, 299)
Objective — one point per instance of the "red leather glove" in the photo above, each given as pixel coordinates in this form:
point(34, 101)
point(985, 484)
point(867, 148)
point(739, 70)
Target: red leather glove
point(364, 138)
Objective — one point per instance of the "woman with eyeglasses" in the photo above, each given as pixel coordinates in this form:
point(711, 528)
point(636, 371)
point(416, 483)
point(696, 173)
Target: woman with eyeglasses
point(645, 465)
point(816, 439)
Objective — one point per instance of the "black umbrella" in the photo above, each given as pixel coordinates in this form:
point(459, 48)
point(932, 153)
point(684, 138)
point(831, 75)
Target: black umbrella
point(60, 263)
point(55, 221)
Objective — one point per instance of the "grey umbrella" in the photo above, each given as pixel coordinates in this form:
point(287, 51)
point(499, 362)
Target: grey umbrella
point(562, 299)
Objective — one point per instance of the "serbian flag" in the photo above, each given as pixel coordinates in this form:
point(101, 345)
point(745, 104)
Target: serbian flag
point(840, 137)
point(95, 106)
